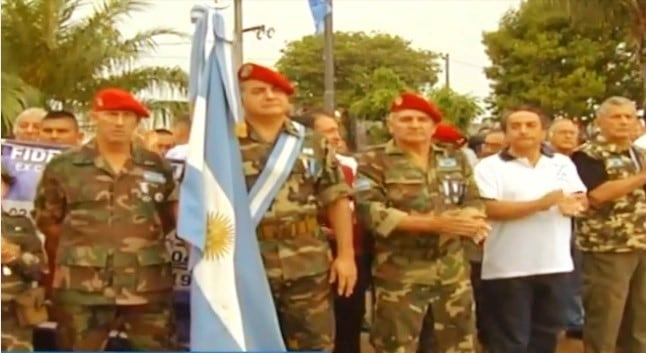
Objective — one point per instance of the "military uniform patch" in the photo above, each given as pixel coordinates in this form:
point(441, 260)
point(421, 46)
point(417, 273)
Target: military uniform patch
point(154, 177)
point(615, 162)
point(362, 184)
point(447, 162)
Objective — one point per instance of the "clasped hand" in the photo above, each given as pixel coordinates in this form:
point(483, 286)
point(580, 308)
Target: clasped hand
point(466, 222)
point(569, 205)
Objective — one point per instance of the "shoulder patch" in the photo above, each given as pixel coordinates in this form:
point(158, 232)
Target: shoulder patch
point(154, 177)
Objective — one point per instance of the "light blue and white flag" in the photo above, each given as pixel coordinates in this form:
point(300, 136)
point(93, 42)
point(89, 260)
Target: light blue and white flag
point(320, 9)
point(231, 303)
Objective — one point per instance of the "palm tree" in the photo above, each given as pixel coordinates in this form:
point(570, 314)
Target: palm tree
point(615, 13)
point(51, 56)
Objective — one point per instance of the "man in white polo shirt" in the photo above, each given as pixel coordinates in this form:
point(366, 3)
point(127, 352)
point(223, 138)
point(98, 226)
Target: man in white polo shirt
point(530, 194)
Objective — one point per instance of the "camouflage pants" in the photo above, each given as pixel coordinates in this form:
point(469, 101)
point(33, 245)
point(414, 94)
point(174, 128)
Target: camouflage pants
point(305, 312)
point(14, 337)
point(400, 309)
point(149, 327)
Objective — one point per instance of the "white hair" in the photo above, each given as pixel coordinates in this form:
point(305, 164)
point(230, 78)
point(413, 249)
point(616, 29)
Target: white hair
point(561, 121)
point(615, 101)
point(39, 112)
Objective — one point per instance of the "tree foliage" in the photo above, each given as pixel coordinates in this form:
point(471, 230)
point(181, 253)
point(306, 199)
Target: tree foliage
point(382, 87)
point(629, 14)
point(458, 109)
point(539, 56)
point(44, 50)
point(357, 57)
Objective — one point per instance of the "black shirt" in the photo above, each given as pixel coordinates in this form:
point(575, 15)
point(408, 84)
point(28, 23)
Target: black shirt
point(591, 171)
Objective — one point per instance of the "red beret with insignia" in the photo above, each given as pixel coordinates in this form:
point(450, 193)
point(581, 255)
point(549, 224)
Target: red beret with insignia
point(257, 72)
point(111, 99)
point(412, 101)
point(449, 134)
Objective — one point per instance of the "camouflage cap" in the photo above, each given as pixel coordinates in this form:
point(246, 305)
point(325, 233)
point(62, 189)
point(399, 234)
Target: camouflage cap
point(7, 172)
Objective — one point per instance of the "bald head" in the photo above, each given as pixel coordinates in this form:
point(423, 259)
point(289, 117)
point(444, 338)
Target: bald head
point(27, 124)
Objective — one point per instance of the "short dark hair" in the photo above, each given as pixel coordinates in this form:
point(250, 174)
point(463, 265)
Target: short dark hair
point(163, 131)
point(309, 118)
point(61, 114)
point(495, 130)
point(545, 121)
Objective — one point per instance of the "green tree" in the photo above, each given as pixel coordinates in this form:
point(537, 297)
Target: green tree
point(67, 60)
point(357, 55)
point(630, 14)
point(458, 109)
point(540, 57)
point(382, 87)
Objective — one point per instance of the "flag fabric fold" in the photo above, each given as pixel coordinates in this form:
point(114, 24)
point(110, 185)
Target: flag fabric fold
point(320, 9)
point(231, 304)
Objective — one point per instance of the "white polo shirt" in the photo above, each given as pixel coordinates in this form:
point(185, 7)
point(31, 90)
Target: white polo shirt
point(536, 244)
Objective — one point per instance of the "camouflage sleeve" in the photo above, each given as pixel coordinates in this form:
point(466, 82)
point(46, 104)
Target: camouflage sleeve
point(372, 202)
point(32, 260)
point(330, 181)
point(171, 186)
point(471, 192)
point(50, 204)
point(171, 193)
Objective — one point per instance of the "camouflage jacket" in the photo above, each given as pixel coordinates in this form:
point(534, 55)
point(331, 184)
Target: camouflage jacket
point(292, 244)
point(616, 226)
point(388, 187)
point(19, 275)
point(112, 248)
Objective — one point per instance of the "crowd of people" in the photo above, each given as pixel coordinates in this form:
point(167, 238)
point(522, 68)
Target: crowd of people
point(496, 242)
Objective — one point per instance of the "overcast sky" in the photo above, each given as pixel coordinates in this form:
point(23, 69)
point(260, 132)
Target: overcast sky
point(446, 26)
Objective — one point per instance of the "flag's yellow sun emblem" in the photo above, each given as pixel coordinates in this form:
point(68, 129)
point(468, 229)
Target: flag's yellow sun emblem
point(219, 235)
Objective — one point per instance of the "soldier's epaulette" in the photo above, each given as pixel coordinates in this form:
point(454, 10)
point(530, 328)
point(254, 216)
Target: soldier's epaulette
point(73, 155)
point(373, 148)
point(445, 150)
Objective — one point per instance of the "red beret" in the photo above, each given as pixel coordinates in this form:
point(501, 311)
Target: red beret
point(413, 101)
point(261, 73)
point(449, 134)
point(111, 99)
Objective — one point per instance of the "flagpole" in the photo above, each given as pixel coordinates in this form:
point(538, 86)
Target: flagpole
point(328, 59)
point(238, 34)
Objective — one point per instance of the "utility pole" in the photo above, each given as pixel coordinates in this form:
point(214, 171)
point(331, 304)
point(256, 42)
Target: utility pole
point(237, 35)
point(445, 57)
point(328, 59)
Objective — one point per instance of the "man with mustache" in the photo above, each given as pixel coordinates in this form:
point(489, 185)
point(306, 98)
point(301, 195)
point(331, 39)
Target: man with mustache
point(421, 203)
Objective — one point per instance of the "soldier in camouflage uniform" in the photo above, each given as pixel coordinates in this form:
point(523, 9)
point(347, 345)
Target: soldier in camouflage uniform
point(421, 203)
point(294, 250)
point(110, 204)
point(612, 236)
point(23, 263)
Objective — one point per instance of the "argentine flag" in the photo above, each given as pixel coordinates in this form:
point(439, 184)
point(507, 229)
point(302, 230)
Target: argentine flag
point(231, 304)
